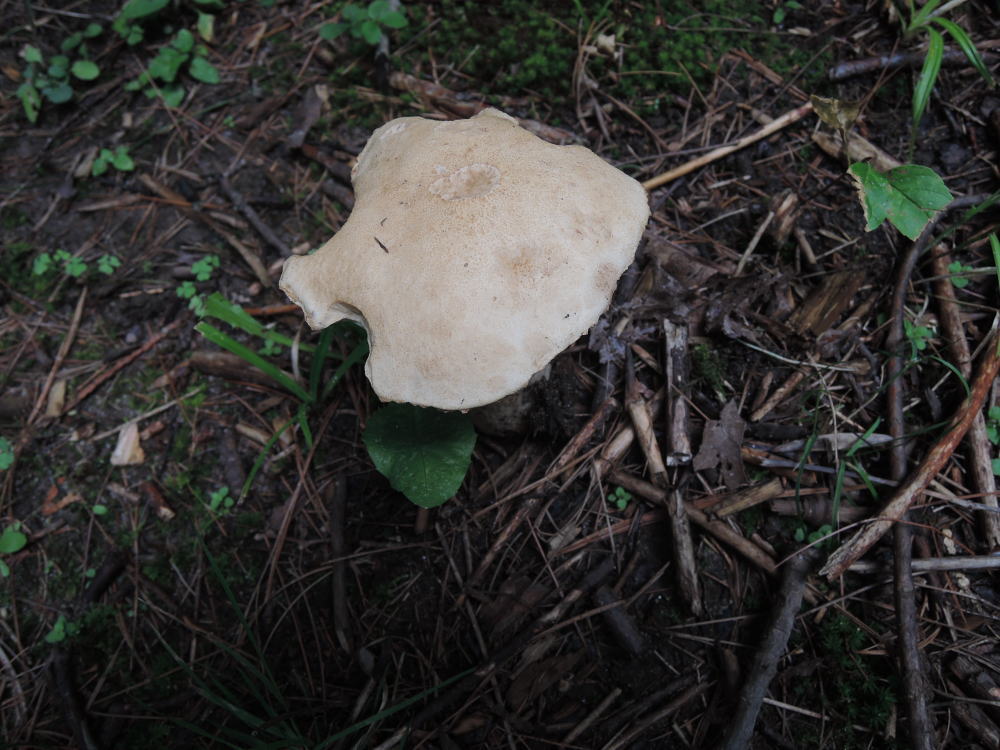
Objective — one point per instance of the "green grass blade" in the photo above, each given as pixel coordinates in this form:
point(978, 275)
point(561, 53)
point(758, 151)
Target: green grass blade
point(968, 48)
point(218, 307)
point(921, 17)
point(261, 457)
point(862, 441)
point(860, 471)
point(248, 355)
point(316, 367)
point(955, 371)
point(928, 75)
point(357, 355)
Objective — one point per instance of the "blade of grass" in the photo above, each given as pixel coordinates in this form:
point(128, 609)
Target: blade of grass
point(228, 343)
point(359, 352)
point(995, 247)
point(261, 457)
point(928, 75)
point(965, 44)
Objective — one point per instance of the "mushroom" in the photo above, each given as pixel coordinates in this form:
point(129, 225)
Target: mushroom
point(474, 254)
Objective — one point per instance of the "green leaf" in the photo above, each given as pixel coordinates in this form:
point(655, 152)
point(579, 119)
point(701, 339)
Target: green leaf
point(71, 41)
point(173, 95)
point(424, 453)
point(166, 64)
point(908, 196)
point(100, 165)
point(968, 48)
point(6, 453)
point(121, 160)
point(332, 30)
point(58, 94)
point(995, 463)
point(995, 247)
point(141, 8)
point(928, 75)
point(377, 9)
point(956, 269)
point(371, 32)
point(184, 41)
point(352, 12)
point(12, 539)
point(85, 70)
point(202, 70)
point(92, 30)
point(394, 20)
point(31, 101)
point(107, 264)
point(206, 26)
point(31, 54)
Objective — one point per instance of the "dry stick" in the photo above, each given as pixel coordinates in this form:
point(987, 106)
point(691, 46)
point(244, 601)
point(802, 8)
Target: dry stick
point(528, 508)
point(765, 663)
point(621, 624)
point(64, 348)
point(679, 442)
point(718, 529)
point(921, 729)
point(642, 422)
point(656, 717)
point(593, 716)
point(905, 496)
point(608, 407)
point(336, 496)
point(241, 205)
point(937, 564)
point(772, 127)
point(907, 59)
point(983, 479)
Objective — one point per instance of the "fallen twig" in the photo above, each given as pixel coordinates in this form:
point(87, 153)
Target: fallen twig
point(714, 155)
point(907, 494)
point(765, 663)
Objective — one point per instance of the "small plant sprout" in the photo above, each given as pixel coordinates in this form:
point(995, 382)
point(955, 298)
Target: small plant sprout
point(160, 78)
point(220, 501)
point(54, 80)
point(61, 630)
point(620, 498)
point(72, 265)
point(107, 264)
point(365, 23)
point(202, 270)
point(918, 335)
point(958, 269)
point(119, 159)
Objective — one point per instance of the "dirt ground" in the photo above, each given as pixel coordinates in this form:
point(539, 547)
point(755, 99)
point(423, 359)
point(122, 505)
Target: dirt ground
point(676, 550)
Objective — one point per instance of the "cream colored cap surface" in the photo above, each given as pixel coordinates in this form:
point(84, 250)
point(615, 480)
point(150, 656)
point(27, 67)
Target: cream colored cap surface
point(475, 253)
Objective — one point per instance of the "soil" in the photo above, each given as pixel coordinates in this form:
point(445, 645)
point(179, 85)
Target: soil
point(149, 602)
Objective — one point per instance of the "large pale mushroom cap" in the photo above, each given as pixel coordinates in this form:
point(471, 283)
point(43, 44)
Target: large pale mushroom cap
point(475, 253)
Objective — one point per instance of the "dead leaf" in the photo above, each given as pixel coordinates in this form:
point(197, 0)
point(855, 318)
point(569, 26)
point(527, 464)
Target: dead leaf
point(57, 399)
point(720, 447)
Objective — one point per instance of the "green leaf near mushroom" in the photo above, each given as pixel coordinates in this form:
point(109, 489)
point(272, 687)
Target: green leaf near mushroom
point(908, 196)
point(424, 453)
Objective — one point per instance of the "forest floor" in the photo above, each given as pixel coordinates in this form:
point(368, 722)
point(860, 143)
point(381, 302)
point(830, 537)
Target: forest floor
point(676, 551)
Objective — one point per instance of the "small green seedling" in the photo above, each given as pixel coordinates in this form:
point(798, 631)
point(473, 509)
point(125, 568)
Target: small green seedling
point(54, 81)
point(908, 196)
point(620, 498)
point(12, 540)
point(202, 270)
point(781, 12)
point(107, 264)
point(61, 630)
point(119, 159)
point(365, 23)
point(814, 536)
point(993, 425)
point(100, 510)
point(918, 336)
point(72, 265)
point(220, 501)
point(957, 269)
point(160, 77)
point(6, 454)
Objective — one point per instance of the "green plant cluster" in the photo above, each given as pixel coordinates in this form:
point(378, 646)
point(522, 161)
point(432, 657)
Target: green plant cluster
point(55, 80)
point(160, 78)
point(365, 23)
point(72, 265)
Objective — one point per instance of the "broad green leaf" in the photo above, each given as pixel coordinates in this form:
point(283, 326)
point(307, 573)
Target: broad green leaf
point(371, 32)
point(85, 70)
point(352, 13)
point(202, 70)
point(908, 196)
point(92, 30)
point(31, 54)
point(332, 30)
point(968, 48)
point(6, 449)
point(184, 40)
point(141, 8)
point(12, 540)
point(58, 94)
point(71, 41)
point(166, 64)
point(377, 9)
point(122, 161)
point(928, 75)
point(394, 20)
point(424, 453)
point(173, 95)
